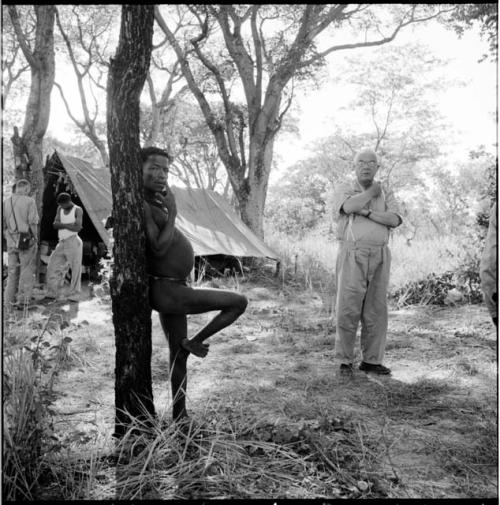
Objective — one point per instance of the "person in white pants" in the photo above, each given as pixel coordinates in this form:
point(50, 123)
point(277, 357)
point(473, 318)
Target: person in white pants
point(365, 214)
point(69, 250)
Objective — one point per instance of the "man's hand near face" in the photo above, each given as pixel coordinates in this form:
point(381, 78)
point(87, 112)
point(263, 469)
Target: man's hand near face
point(375, 189)
point(170, 204)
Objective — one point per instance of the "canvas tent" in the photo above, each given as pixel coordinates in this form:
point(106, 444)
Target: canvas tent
point(205, 217)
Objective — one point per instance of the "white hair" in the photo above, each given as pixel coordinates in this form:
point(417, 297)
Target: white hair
point(367, 150)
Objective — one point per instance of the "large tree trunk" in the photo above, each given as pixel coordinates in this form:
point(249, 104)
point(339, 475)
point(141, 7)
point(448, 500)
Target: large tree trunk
point(252, 195)
point(42, 66)
point(129, 283)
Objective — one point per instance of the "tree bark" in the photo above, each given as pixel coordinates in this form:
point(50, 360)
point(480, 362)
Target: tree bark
point(42, 66)
point(253, 192)
point(129, 283)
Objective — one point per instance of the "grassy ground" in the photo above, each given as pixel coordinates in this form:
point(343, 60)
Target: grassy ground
point(313, 257)
point(275, 417)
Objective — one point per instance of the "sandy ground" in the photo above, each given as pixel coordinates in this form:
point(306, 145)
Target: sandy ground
point(277, 362)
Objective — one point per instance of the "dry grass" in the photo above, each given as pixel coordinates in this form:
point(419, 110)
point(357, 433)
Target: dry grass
point(470, 452)
point(239, 456)
point(234, 455)
point(311, 260)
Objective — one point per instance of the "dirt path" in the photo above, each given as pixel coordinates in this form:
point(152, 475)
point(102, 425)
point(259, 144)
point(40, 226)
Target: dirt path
point(430, 428)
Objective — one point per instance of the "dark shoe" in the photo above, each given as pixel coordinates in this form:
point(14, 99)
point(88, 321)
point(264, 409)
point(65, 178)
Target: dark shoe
point(346, 368)
point(22, 306)
point(378, 369)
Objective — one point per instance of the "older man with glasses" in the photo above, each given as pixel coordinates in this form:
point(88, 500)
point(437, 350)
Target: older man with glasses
point(365, 215)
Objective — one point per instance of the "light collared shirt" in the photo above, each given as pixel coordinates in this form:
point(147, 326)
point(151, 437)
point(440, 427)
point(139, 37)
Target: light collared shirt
point(354, 227)
point(24, 208)
point(488, 265)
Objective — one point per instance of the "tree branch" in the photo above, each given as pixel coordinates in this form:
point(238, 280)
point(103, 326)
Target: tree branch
point(78, 123)
point(96, 82)
point(68, 45)
point(79, 75)
point(241, 138)
point(291, 61)
point(220, 82)
point(13, 76)
point(334, 14)
point(241, 58)
point(267, 55)
point(152, 94)
point(348, 145)
point(258, 57)
point(379, 42)
point(387, 118)
point(21, 37)
point(285, 110)
point(374, 119)
point(96, 107)
point(227, 158)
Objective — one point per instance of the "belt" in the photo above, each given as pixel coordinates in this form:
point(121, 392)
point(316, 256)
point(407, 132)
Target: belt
point(370, 243)
point(67, 238)
point(176, 280)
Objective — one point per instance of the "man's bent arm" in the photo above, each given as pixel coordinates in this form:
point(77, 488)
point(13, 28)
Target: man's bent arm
point(159, 240)
point(77, 225)
point(387, 218)
point(355, 203)
point(57, 221)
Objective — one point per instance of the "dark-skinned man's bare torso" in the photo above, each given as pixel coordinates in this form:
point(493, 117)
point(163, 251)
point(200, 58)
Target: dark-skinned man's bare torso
point(178, 261)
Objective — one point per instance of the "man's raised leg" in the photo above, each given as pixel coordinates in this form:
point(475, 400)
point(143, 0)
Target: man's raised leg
point(175, 329)
point(231, 306)
point(178, 299)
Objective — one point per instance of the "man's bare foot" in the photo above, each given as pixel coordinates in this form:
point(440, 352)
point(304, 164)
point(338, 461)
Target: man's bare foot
point(196, 348)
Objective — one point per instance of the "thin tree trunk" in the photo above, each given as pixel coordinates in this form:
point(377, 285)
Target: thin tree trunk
point(129, 283)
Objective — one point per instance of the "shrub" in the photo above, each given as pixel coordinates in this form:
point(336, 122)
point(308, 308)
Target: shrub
point(30, 368)
point(433, 289)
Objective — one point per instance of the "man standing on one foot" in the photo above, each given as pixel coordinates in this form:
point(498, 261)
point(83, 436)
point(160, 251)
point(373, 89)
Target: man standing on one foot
point(170, 259)
point(365, 215)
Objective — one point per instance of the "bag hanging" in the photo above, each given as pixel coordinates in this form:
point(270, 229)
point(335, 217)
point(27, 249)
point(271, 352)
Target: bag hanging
point(24, 241)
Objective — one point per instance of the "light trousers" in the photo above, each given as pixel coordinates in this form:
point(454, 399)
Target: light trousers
point(21, 269)
point(362, 276)
point(67, 254)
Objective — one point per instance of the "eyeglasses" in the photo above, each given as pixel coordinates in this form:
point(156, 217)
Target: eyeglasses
point(367, 163)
